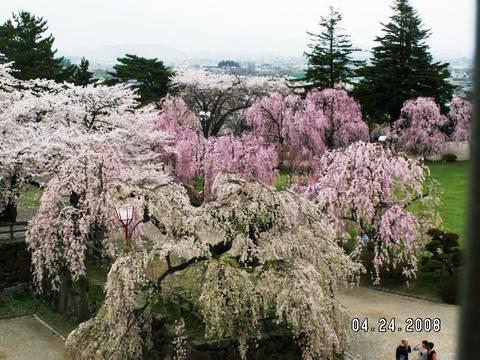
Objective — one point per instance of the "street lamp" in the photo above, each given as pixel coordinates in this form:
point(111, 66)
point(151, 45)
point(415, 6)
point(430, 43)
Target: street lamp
point(125, 216)
point(204, 115)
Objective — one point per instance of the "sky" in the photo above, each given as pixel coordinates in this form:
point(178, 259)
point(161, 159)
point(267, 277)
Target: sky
point(251, 26)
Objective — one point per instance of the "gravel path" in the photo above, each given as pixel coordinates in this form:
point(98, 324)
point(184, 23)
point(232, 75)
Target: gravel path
point(26, 338)
point(372, 304)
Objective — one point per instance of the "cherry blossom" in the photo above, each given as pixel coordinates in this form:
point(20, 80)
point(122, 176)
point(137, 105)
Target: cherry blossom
point(266, 253)
point(460, 114)
point(344, 117)
point(418, 131)
point(304, 129)
point(195, 156)
point(370, 189)
point(221, 98)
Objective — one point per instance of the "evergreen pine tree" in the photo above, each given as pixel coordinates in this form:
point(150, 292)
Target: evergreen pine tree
point(330, 60)
point(401, 68)
point(23, 42)
point(82, 76)
point(151, 78)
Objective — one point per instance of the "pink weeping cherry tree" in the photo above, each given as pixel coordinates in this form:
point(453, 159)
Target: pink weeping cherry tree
point(186, 137)
point(247, 157)
point(303, 129)
point(195, 156)
point(343, 113)
point(460, 114)
point(368, 189)
point(296, 128)
point(419, 129)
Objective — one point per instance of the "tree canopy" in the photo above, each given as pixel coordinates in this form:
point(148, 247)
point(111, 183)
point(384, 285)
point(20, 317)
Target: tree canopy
point(401, 68)
point(82, 75)
point(150, 77)
point(330, 59)
point(23, 41)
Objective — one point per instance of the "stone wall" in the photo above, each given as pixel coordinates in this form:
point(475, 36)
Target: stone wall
point(15, 263)
point(460, 149)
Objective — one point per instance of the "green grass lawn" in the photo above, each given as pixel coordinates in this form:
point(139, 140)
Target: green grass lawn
point(453, 178)
point(22, 302)
point(282, 179)
point(28, 203)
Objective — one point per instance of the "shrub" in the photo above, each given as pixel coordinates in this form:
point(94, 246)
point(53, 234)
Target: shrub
point(446, 261)
point(449, 292)
point(449, 158)
point(389, 274)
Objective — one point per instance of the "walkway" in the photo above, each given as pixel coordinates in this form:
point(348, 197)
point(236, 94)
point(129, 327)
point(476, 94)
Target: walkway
point(26, 338)
point(363, 302)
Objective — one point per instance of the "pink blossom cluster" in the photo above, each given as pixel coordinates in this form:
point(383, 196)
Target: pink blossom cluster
point(370, 188)
point(204, 79)
point(246, 156)
point(303, 129)
point(343, 115)
point(195, 156)
point(460, 114)
point(419, 129)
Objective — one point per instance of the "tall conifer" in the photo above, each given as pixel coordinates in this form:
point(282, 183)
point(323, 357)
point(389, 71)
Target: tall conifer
point(401, 68)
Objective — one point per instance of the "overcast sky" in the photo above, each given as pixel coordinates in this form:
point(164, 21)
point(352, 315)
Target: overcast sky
point(256, 26)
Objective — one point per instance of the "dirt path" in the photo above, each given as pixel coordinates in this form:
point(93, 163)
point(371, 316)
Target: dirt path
point(372, 304)
point(26, 338)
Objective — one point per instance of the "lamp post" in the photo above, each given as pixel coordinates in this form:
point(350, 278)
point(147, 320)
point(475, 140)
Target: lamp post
point(125, 216)
point(204, 115)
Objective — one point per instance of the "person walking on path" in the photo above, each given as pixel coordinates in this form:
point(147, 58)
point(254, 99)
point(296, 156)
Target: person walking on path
point(422, 349)
point(403, 350)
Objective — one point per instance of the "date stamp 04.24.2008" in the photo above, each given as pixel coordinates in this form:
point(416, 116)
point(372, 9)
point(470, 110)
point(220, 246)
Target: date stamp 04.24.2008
point(392, 325)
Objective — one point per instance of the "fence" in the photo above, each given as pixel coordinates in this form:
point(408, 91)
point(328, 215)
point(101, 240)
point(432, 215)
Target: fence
point(11, 231)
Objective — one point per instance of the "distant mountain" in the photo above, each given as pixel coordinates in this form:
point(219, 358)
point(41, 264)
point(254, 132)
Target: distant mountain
point(109, 54)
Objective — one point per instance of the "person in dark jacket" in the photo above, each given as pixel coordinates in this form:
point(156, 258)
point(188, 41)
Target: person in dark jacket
point(432, 355)
point(403, 350)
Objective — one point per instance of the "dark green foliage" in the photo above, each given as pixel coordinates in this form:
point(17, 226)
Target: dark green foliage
point(434, 265)
point(388, 274)
point(196, 198)
point(330, 60)
point(151, 78)
point(23, 42)
point(433, 245)
point(449, 157)
point(22, 302)
point(82, 76)
point(402, 68)
point(228, 64)
point(445, 261)
point(449, 291)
